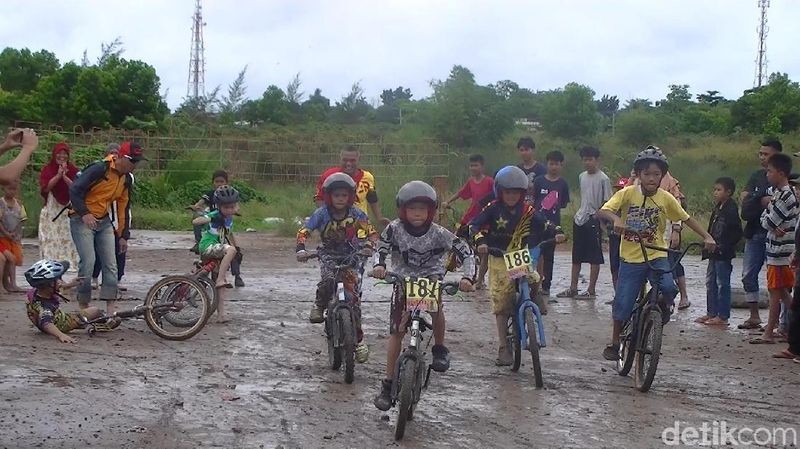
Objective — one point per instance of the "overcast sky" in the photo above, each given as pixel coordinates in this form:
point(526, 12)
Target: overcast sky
point(632, 48)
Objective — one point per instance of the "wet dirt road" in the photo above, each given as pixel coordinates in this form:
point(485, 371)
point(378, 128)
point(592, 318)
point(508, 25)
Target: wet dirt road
point(262, 381)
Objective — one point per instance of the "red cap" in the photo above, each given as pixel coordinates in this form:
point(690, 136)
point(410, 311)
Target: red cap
point(132, 151)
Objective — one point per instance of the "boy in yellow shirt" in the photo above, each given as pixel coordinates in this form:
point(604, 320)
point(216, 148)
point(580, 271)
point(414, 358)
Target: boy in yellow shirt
point(644, 209)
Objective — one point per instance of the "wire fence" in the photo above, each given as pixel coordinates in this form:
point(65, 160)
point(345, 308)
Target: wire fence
point(278, 159)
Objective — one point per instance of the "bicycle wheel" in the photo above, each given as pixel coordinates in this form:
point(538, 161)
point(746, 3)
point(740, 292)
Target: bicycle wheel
point(627, 349)
point(164, 305)
point(334, 352)
point(650, 350)
point(513, 342)
point(348, 344)
point(405, 400)
point(533, 346)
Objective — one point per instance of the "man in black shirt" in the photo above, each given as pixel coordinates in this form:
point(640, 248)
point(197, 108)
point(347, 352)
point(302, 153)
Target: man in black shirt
point(755, 199)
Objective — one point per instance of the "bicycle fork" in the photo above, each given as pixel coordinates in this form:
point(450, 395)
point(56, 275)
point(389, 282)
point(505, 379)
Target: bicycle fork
point(537, 314)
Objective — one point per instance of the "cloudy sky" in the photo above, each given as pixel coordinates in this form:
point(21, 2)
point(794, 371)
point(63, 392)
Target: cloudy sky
point(629, 48)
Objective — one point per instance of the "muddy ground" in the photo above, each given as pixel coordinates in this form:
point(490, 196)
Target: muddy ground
point(261, 381)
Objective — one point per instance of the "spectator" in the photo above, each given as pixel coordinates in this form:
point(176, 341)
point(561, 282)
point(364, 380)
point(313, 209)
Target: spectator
point(550, 195)
point(12, 215)
point(587, 234)
point(55, 241)
point(755, 199)
point(92, 194)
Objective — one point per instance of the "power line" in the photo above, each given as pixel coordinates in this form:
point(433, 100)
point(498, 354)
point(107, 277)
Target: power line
point(195, 87)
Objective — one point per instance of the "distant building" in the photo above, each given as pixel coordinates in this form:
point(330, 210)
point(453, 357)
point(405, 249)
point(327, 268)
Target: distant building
point(531, 124)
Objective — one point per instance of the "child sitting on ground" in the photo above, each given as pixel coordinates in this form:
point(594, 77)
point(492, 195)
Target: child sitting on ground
point(12, 215)
point(43, 301)
point(218, 242)
point(344, 228)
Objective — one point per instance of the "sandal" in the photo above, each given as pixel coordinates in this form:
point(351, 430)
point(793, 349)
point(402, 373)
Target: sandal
point(716, 321)
point(685, 305)
point(568, 293)
point(785, 354)
point(585, 296)
point(762, 341)
point(749, 325)
point(225, 285)
point(702, 319)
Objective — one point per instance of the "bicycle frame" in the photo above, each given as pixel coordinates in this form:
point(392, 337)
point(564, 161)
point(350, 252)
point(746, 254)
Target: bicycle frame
point(525, 302)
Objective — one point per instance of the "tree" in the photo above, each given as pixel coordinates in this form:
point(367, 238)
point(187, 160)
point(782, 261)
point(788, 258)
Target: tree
point(639, 127)
point(110, 51)
point(202, 108)
point(353, 107)
point(678, 99)
point(231, 105)
point(638, 103)
point(293, 93)
point(389, 97)
point(571, 112)
point(21, 70)
point(608, 105)
point(774, 106)
point(317, 107)
point(711, 97)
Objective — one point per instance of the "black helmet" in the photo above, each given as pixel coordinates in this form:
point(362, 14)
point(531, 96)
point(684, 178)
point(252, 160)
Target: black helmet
point(226, 195)
point(417, 191)
point(339, 181)
point(510, 177)
point(651, 154)
point(45, 272)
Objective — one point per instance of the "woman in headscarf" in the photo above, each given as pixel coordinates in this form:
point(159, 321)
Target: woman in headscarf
point(55, 240)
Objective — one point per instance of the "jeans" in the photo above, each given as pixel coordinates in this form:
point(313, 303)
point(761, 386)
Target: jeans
point(88, 242)
point(548, 258)
point(631, 279)
point(755, 254)
point(718, 289)
point(98, 267)
point(679, 270)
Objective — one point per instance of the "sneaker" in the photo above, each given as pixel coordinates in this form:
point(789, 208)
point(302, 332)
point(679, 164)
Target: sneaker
point(441, 358)
point(504, 356)
point(362, 352)
point(316, 314)
point(383, 401)
point(611, 353)
point(238, 282)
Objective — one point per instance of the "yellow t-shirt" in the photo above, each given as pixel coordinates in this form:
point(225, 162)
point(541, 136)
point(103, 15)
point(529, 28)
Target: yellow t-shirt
point(648, 215)
point(365, 185)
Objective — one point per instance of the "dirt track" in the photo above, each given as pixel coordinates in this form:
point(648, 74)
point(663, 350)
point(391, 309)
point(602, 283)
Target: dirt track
point(261, 380)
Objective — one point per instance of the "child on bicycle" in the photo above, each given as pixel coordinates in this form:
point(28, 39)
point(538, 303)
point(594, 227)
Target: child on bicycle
point(511, 224)
point(43, 300)
point(642, 211)
point(207, 203)
point(418, 248)
point(477, 187)
point(218, 241)
point(344, 229)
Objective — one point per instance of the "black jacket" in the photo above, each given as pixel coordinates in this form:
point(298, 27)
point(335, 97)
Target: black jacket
point(726, 228)
point(751, 206)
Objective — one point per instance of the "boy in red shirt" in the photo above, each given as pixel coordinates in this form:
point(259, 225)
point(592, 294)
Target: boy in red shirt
point(477, 187)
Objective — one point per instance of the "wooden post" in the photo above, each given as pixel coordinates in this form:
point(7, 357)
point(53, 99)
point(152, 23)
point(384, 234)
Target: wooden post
point(440, 184)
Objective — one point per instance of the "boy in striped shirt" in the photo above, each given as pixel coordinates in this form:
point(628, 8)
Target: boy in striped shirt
point(780, 221)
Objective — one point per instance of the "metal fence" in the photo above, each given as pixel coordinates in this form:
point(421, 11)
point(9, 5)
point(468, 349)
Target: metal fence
point(278, 159)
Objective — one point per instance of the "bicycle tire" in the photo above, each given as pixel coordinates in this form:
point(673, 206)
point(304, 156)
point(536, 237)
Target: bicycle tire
point(533, 346)
point(627, 350)
point(334, 353)
point(651, 328)
point(348, 347)
point(405, 400)
point(154, 322)
point(513, 339)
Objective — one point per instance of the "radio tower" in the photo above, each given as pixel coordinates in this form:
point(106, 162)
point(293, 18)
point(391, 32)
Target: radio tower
point(197, 60)
point(761, 59)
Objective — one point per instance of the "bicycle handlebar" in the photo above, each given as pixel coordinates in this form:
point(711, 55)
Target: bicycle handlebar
point(451, 288)
point(680, 253)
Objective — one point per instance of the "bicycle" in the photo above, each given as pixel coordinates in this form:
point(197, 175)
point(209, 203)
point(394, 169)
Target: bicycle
point(163, 300)
point(342, 314)
point(641, 335)
point(411, 375)
point(525, 325)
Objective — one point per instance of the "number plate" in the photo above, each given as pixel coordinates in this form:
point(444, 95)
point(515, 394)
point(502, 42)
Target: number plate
point(518, 263)
point(422, 294)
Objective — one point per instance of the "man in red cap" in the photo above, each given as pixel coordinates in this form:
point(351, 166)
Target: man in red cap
point(91, 195)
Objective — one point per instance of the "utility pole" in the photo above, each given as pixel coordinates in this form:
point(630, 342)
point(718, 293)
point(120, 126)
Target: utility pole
point(195, 87)
point(761, 59)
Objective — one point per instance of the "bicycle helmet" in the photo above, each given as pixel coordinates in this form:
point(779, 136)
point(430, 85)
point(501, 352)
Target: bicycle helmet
point(45, 272)
point(512, 178)
point(226, 195)
point(417, 191)
point(338, 181)
point(651, 154)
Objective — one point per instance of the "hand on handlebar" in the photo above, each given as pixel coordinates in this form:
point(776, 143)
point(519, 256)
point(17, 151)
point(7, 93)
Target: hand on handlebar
point(465, 285)
point(366, 252)
point(378, 272)
point(619, 226)
point(302, 256)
